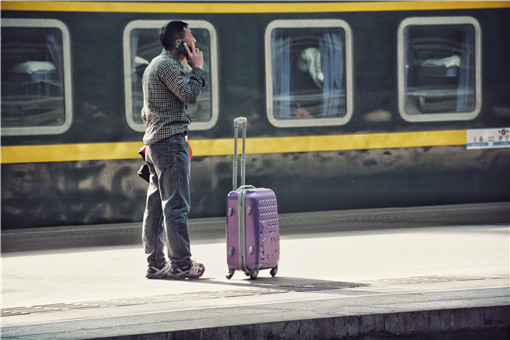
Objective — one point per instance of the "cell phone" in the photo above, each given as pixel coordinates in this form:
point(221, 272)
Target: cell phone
point(182, 49)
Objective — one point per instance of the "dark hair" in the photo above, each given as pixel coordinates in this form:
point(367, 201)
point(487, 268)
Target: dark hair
point(171, 32)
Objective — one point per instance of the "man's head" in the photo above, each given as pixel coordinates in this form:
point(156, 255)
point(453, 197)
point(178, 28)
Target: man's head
point(171, 33)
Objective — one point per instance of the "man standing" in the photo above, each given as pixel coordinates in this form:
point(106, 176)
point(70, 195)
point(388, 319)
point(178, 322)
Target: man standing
point(167, 90)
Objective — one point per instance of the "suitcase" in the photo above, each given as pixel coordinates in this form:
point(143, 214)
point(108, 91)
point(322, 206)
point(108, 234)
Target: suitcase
point(253, 234)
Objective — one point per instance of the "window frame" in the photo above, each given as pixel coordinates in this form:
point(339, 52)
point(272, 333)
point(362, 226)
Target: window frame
point(67, 88)
point(213, 81)
point(309, 23)
point(402, 79)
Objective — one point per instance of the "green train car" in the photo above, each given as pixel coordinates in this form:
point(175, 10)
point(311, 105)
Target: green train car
point(350, 105)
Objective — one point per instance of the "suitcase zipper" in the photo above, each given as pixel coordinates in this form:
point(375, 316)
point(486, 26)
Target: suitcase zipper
point(242, 228)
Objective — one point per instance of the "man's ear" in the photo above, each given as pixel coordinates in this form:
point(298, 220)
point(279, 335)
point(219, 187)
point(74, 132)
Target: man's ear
point(177, 42)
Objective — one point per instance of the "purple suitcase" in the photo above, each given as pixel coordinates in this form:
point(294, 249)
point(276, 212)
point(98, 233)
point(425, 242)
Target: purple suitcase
point(253, 234)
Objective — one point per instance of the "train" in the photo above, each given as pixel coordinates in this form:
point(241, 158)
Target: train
point(350, 105)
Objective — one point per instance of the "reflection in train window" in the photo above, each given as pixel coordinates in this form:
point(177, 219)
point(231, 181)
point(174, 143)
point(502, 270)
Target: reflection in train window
point(308, 72)
point(36, 91)
point(439, 63)
point(141, 45)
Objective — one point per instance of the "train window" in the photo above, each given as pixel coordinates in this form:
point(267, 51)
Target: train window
point(439, 69)
point(308, 72)
point(36, 77)
point(141, 45)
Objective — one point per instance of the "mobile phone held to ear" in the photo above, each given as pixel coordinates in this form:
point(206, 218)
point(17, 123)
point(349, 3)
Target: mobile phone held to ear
point(182, 49)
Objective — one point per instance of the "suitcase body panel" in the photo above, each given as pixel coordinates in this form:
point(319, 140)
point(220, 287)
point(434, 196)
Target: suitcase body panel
point(253, 236)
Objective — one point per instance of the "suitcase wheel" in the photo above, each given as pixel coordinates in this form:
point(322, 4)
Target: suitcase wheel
point(254, 274)
point(274, 271)
point(230, 273)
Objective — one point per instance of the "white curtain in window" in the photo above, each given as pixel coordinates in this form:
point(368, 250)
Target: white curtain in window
point(281, 60)
point(332, 63)
point(465, 86)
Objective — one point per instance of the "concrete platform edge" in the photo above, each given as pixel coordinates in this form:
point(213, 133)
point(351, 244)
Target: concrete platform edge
point(493, 321)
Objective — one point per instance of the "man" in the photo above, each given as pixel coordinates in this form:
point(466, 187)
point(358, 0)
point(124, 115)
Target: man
point(166, 91)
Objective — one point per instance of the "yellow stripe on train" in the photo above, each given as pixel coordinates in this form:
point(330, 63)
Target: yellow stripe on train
point(221, 147)
point(244, 7)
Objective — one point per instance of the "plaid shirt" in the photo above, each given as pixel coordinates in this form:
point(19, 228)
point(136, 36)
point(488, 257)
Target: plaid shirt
point(166, 92)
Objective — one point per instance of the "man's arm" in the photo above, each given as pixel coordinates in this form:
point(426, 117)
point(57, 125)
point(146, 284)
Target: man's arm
point(186, 88)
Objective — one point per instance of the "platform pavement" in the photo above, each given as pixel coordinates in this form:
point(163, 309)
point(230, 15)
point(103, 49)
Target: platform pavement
point(378, 284)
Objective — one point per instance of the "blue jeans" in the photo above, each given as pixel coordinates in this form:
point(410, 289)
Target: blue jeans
point(165, 221)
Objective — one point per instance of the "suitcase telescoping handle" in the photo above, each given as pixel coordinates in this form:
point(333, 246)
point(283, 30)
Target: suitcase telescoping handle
point(239, 122)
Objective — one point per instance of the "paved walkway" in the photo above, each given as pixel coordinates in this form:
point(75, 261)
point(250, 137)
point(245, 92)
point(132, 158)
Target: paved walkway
point(371, 276)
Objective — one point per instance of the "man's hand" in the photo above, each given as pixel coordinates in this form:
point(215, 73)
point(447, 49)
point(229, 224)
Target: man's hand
point(195, 58)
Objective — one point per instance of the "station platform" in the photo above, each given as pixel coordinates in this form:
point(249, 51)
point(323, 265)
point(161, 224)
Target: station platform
point(442, 282)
